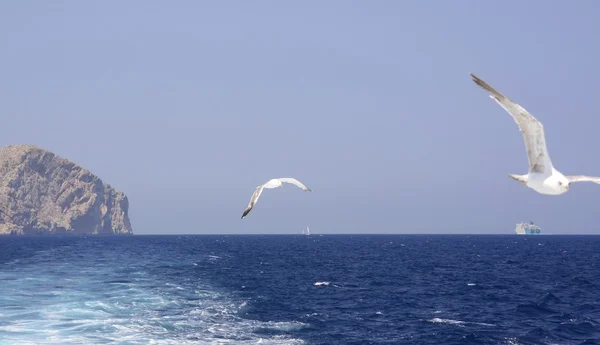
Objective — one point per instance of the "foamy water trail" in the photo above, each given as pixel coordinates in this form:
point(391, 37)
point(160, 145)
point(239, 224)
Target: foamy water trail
point(65, 303)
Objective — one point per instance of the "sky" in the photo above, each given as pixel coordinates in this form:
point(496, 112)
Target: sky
point(187, 106)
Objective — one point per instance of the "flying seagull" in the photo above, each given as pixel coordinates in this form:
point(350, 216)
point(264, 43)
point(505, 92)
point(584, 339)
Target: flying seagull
point(542, 177)
point(273, 183)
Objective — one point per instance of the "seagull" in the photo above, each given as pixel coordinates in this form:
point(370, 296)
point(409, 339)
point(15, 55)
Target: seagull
point(541, 177)
point(272, 183)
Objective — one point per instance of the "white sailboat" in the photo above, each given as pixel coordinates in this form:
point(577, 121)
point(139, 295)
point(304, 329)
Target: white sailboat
point(306, 232)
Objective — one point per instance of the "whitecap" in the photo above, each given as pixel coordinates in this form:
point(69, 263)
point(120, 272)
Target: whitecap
point(448, 321)
point(457, 322)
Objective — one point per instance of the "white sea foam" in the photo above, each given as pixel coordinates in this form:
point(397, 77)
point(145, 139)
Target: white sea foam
point(457, 322)
point(448, 321)
point(132, 308)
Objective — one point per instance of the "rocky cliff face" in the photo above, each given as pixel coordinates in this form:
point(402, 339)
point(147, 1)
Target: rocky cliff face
point(41, 193)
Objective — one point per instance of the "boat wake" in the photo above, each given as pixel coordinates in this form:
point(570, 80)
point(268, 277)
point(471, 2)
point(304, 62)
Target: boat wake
point(104, 304)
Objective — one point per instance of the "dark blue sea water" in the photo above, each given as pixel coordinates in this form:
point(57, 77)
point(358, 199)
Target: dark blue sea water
point(314, 289)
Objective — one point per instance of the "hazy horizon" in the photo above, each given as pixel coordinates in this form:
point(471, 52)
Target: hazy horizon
point(186, 107)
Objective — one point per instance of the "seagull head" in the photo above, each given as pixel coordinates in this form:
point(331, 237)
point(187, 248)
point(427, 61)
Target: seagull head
point(563, 184)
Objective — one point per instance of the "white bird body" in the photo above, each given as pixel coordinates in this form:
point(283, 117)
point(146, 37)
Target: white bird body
point(272, 183)
point(542, 176)
point(546, 184)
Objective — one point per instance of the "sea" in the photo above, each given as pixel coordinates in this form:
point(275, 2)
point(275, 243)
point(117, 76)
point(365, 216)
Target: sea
point(298, 289)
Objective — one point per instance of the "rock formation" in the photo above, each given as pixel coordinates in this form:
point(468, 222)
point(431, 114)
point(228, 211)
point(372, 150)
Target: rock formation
point(41, 193)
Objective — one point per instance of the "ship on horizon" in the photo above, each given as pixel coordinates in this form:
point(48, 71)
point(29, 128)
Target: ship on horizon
point(524, 228)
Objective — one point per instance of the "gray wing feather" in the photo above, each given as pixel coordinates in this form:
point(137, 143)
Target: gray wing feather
point(253, 200)
point(583, 178)
point(531, 129)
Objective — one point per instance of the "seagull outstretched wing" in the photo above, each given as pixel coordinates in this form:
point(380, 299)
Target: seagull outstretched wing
point(531, 129)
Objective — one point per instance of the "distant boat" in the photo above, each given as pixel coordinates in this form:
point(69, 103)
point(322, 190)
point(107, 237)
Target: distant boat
point(528, 229)
point(306, 232)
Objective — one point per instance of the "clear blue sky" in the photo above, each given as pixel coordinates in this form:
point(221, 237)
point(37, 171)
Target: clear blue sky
point(187, 106)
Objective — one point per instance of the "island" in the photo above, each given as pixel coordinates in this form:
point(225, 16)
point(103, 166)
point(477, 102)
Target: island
point(44, 194)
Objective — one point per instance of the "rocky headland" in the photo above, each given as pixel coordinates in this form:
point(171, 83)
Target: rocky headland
point(42, 193)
